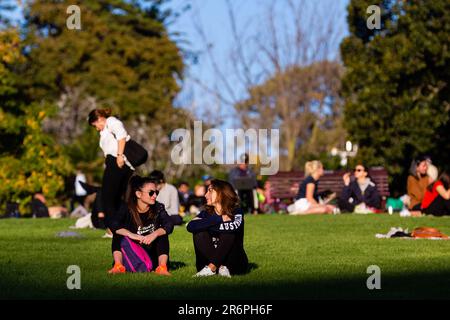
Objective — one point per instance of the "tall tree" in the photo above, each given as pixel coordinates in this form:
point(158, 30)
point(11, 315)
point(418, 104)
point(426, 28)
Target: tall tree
point(272, 56)
point(29, 159)
point(122, 55)
point(122, 58)
point(396, 86)
point(299, 101)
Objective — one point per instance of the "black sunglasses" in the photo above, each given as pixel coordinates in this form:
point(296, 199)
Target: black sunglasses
point(359, 170)
point(152, 192)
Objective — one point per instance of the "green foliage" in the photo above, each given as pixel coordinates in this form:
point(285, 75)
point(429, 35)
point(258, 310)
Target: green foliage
point(29, 159)
point(396, 86)
point(122, 55)
point(121, 58)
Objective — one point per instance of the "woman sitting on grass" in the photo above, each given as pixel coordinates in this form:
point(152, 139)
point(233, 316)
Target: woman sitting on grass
point(436, 200)
point(417, 183)
point(219, 233)
point(360, 190)
point(142, 220)
point(307, 200)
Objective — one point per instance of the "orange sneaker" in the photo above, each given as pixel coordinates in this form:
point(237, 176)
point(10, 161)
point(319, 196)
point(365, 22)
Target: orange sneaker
point(118, 268)
point(162, 270)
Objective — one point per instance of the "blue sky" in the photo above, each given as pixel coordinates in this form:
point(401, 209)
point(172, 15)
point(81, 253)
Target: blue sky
point(213, 17)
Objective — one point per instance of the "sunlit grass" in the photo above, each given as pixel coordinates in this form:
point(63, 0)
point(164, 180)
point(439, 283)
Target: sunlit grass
point(291, 257)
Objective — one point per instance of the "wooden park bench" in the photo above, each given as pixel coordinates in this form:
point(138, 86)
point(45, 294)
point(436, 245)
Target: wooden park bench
point(284, 185)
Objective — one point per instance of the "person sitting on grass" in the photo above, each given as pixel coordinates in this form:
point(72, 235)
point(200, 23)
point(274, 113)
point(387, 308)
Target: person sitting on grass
point(39, 208)
point(307, 200)
point(436, 200)
point(417, 183)
point(358, 191)
point(145, 221)
point(218, 233)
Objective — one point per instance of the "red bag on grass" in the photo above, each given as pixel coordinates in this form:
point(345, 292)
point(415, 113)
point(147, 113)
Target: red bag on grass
point(427, 232)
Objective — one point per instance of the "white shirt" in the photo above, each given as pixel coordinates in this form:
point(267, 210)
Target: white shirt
point(168, 195)
point(108, 143)
point(79, 190)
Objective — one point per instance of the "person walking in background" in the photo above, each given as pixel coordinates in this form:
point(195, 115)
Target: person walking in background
point(243, 179)
point(168, 195)
point(143, 221)
point(359, 191)
point(417, 182)
point(218, 233)
point(307, 199)
point(118, 170)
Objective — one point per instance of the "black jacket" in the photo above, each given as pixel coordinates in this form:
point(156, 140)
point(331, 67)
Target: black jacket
point(123, 219)
point(371, 196)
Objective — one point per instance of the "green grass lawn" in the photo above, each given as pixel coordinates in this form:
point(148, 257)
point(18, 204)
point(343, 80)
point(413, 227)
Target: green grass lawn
point(292, 257)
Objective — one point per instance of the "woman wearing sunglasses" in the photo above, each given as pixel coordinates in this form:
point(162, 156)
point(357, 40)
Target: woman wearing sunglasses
point(219, 233)
point(358, 191)
point(145, 221)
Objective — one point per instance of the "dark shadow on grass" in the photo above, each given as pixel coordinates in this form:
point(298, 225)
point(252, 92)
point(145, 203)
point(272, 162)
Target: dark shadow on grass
point(423, 285)
point(251, 267)
point(174, 265)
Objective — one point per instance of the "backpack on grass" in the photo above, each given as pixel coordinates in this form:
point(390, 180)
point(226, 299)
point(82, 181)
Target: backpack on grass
point(135, 258)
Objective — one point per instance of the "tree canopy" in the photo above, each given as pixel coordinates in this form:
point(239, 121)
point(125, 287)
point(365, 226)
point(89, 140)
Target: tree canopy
point(396, 85)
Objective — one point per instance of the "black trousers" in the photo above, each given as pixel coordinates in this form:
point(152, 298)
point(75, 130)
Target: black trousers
point(247, 203)
point(439, 207)
point(345, 206)
point(157, 248)
point(228, 253)
point(114, 186)
point(76, 199)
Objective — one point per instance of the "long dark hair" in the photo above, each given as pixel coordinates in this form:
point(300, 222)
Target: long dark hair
point(226, 196)
point(414, 164)
point(136, 183)
point(97, 113)
point(445, 179)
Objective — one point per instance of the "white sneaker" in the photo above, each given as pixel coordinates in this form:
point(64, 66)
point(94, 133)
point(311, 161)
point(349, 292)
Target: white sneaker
point(107, 236)
point(224, 272)
point(205, 272)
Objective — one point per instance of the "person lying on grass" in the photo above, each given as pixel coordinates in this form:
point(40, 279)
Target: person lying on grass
point(145, 221)
point(218, 233)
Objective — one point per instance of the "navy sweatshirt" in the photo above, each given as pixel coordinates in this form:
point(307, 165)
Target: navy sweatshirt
point(215, 224)
point(370, 197)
